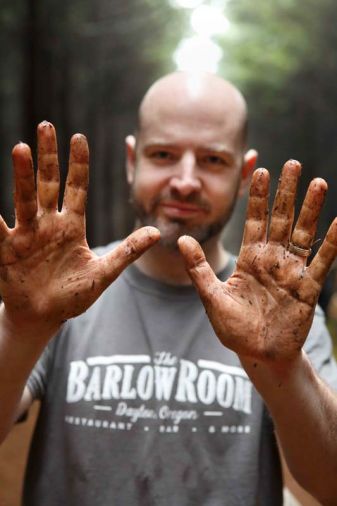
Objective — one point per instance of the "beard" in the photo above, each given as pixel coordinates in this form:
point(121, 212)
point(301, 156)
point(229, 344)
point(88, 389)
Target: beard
point(172, 229)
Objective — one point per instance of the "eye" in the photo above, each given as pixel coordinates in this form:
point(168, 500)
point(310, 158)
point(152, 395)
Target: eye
point(162, 156)
point(214, 161)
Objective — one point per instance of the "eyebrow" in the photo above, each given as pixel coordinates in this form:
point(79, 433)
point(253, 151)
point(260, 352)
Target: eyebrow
point(220, 149)
point(160, 143)
point(216, 149)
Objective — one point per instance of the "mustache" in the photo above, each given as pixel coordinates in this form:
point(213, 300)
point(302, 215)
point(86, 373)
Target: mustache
point(193, 199)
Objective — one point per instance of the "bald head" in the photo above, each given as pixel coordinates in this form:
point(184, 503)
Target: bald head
point(189, 151)
point(206, 98)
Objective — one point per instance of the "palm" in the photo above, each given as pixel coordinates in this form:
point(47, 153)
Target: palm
point(44, 267)
point(268, 295)
point(47, 271)
point(265, 309)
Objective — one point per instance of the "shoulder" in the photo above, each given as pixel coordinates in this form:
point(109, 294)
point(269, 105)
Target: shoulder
point(319, 348)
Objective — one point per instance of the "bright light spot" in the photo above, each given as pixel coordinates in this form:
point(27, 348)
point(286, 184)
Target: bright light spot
point(194, 85)
point(207, 20)
point(197, 54)
point(185, 4)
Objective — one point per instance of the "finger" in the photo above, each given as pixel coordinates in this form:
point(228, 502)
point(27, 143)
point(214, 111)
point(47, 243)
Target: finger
point(305, 229)
point(283, 210)
point(257, 211)
point(48, 174)
point(197, 266)
point(25, 193)
point(127, 252)
point(75, 195)
point(322, 261)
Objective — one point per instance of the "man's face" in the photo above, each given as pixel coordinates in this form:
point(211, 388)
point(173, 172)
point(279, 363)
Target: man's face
point(186, 174)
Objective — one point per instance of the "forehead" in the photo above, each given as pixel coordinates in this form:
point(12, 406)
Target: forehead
point(184, 123)
point(194, 109)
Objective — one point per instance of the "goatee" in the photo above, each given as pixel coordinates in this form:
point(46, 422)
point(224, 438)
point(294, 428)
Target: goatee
point(171, 230)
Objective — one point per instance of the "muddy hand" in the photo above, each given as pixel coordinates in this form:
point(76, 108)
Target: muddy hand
point(265, 309)
point(47, 272)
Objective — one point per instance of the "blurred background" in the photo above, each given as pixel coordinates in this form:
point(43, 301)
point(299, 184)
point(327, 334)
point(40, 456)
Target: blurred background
point(85, 64)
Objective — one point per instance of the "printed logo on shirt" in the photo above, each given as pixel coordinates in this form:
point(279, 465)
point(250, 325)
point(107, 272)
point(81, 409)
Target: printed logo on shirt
point(136, 383)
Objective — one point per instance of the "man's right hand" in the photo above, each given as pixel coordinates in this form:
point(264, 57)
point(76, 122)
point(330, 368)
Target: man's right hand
point(47, 271)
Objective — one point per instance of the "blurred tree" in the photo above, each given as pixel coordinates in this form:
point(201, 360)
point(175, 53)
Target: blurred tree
point(282, 54)
point(83, 65)
point(12, 19)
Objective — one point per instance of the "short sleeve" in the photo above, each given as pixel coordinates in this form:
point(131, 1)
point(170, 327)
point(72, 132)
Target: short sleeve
point(318, 346)
point(38, 379)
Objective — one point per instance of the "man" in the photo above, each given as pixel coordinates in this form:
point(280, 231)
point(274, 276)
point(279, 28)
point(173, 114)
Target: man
point(140, 402)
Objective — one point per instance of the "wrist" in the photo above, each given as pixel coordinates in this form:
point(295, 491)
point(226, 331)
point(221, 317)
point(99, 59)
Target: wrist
point(21, 344)
point(283, 385)
point(275, 373)
point(15, 327)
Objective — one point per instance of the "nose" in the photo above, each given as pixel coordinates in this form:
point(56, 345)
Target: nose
point(185, 180)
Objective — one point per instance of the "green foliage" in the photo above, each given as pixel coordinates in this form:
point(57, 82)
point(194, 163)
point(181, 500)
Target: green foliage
point(282, 55)
point(270, 43)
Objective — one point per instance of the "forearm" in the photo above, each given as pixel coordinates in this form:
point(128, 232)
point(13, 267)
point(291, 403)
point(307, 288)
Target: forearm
point(21, 345)
point(304, 411)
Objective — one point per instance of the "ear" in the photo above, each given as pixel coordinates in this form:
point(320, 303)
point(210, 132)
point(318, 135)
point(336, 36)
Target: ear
point(130, 148)
point(249, 163)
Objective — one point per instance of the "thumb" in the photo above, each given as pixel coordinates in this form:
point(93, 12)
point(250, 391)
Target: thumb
point(128, 251)
point(197, 266)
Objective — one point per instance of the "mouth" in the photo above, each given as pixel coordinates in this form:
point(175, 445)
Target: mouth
point(178, 209)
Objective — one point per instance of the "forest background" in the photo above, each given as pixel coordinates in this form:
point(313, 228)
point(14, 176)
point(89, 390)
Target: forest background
point(85, 64)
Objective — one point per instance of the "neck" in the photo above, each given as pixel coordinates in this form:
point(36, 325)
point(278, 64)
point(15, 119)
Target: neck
point(168, 266)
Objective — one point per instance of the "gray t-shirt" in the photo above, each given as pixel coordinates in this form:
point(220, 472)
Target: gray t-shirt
point(142, 405)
